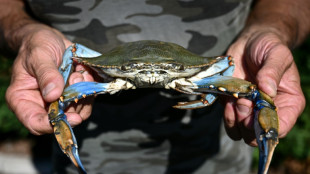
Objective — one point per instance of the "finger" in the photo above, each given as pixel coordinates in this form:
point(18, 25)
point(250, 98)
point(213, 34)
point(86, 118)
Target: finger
point(86, 109)
point(230, 122)
point(86, 72)
point(76, 77)
point(28, 109)
point(84, 106)
point(244, 113)
point(290, 101)
point(248, 135)
point(245, 117)
point(74, 118)
point(44, 67)
point(244, 121)
point(82, 109)
point(270, 74)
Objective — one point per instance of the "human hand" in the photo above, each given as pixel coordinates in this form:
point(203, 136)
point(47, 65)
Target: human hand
point(262, 58)
point(36, 81)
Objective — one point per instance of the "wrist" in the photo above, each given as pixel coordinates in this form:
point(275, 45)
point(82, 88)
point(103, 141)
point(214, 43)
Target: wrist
point(283, 30)
point(22, 36)
point(17, 26)
point(285, 18)
point(250, 33)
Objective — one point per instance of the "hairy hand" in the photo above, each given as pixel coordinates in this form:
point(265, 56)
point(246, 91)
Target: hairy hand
point(263, 59)
point(36, 80)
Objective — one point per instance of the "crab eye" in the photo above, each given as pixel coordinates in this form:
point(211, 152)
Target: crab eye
point(123, 68)
point(181, 67)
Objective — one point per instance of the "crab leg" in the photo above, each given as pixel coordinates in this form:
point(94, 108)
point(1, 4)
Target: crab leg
point(266, 123)
point(62, 129)
point(206, 100)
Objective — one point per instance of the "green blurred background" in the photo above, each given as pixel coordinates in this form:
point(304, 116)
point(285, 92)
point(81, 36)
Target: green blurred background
point(292, 154)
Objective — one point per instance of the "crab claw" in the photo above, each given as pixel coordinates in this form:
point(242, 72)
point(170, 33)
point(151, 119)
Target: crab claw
point(266, 127)
point(266, 123)
point(67, 142)
point(64, 135)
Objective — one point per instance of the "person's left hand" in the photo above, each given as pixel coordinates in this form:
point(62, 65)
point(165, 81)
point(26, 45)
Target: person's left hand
point(262, 58)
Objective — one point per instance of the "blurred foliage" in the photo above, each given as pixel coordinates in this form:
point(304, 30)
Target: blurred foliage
point(9, 125)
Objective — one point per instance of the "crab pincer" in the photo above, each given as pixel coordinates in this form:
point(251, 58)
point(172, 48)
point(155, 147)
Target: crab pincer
point(266, 122)
point(266, 126)
point(64, 134)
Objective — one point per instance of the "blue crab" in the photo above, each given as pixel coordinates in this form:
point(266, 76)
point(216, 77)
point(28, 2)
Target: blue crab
point(156, 64)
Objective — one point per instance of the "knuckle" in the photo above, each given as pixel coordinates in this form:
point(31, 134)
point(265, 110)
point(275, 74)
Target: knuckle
point(11, 97)
point(36, 124)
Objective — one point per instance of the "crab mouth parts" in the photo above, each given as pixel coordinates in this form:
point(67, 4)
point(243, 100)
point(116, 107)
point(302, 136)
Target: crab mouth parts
point(151, 78)
point(151, 75)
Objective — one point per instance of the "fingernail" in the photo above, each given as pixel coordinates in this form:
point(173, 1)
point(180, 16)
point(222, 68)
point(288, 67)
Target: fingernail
point(48, 88)
point(243, 110)
point(273, 88)
point(76, 80)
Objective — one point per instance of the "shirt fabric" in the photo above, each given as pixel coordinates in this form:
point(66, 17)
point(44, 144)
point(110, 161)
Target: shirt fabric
point(137, 131)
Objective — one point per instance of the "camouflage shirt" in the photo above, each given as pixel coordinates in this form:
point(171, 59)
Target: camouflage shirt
point(137, 131)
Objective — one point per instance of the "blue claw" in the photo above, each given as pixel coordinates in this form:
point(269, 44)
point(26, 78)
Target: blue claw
point(82, 90)
point(266, 123)
point(266, 126)
point(62, 129)
point(77, 162)
point(64, 134)
point(75, 50)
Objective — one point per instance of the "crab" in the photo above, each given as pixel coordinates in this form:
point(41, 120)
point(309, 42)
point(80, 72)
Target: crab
point(157, 64)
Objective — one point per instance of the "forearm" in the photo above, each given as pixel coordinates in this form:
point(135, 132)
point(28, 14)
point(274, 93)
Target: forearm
point(286, 17)
point(17, 25)
point(12, 18)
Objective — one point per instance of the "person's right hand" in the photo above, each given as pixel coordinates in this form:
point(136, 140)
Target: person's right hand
point(36, 81)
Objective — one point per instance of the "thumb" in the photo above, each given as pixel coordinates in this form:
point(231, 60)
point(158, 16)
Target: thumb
point(272, 70)
point(50, 81)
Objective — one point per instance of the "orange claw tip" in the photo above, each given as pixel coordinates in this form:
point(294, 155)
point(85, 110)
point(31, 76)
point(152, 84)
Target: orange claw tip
point(252, 87)
point(73, 48)
point(236, 95)
point(221, 89)
point(205, 102)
